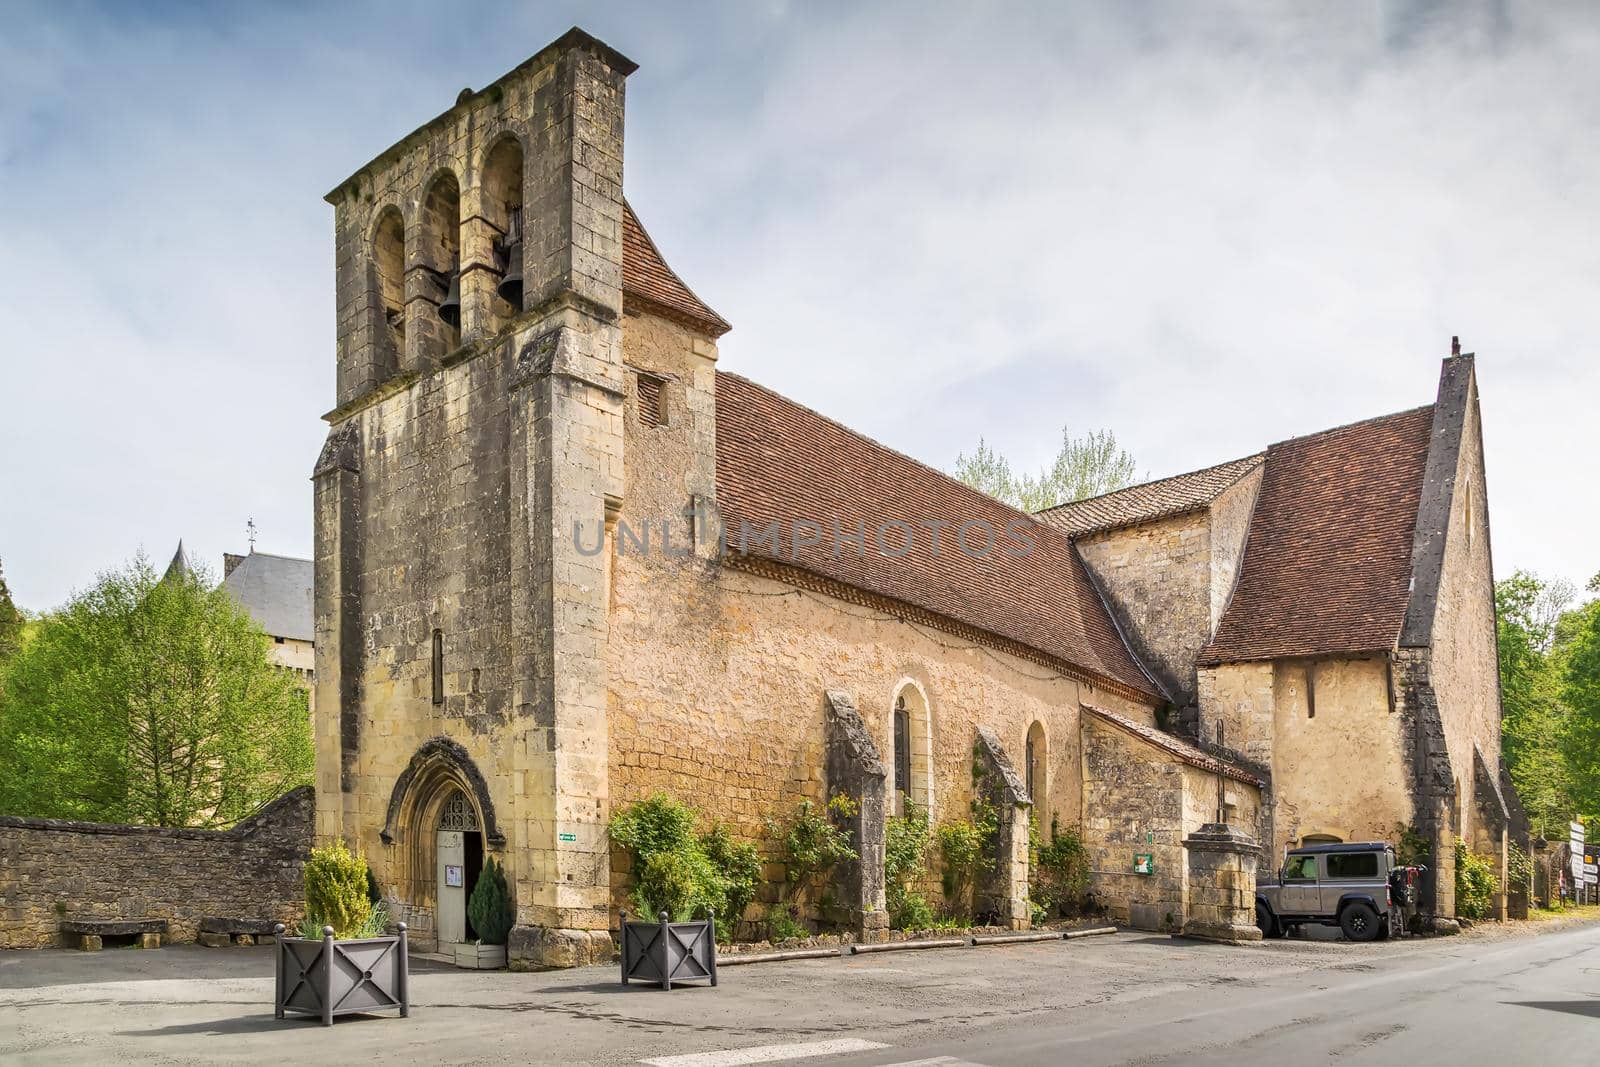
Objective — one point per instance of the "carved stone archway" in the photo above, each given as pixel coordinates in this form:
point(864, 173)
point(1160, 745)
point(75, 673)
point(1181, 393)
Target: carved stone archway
point(438, 759)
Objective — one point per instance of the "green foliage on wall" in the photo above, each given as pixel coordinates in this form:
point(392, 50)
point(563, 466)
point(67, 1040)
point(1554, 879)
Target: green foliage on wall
point(683, 873)
point(1476, 883)
point(907, 839)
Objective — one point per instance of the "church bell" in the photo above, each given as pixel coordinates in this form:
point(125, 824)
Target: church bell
point(450, 307)
point(510, 287)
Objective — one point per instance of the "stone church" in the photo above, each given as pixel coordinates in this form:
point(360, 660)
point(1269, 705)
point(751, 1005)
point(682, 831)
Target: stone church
point(563, 562)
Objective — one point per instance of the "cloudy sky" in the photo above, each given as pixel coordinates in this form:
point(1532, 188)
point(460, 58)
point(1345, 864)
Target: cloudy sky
point(1205, 226)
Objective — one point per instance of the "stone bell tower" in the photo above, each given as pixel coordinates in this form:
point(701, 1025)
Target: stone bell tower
point(460, 632)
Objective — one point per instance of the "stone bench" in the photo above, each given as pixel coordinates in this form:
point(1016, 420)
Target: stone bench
point(90, 933)
point(218, 932)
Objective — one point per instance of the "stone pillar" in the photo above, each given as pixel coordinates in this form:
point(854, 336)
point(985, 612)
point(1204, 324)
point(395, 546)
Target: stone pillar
point(855, 769)
point(339, 645)
point(1220, 902)
point(567, 480)
point(1004, 890)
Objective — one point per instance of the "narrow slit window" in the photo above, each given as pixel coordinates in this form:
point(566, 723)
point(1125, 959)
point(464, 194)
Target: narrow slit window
point(652, 401)
point(438, 666)
point(902, 749)
point(1311, 692)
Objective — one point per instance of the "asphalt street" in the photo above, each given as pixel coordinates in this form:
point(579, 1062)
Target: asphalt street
point(1527, 993)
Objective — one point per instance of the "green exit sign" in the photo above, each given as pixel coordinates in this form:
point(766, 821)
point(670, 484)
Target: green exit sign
point(567, 837)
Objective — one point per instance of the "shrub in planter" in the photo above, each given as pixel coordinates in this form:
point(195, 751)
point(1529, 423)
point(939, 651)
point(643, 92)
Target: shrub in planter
point(680, 883)
point(344, 962)
point(493, 915)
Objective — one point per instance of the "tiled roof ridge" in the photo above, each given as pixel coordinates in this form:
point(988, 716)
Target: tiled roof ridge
point(277, 555)
point(957, 483)
point(1254, 459)
point(636, 280)
point(1176, 746)
point(1329, 555)
point(1346, 426)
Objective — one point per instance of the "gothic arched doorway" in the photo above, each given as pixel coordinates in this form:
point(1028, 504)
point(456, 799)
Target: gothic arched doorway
point(459, 848)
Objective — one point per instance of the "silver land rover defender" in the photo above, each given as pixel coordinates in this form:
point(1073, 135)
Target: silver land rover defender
point(1357, 887)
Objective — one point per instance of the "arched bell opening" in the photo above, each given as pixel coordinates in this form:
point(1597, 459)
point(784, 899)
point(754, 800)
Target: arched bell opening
point(441, 259)
point(387, 292)
point(502, 209)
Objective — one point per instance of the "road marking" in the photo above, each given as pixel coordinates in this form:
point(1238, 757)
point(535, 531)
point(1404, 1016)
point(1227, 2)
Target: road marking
point(735, 1057)
point(937, 1061)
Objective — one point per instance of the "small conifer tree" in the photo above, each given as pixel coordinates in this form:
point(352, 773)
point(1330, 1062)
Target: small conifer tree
point(490, 906)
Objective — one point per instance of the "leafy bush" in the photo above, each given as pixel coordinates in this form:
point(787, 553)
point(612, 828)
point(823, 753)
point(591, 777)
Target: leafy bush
point(490, 907)
point(739, 863)
point(811, 844)
point(1476, 882)
point(781, 924)
point(1059, 875)
point(1519, 867)
point(964, 847)
point(1411, 849)
point(336, 890)
point(905, 855)
point(374, 894)
point(683, 874)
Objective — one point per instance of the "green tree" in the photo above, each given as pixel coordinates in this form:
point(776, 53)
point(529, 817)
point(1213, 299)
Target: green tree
point(1535, 727)
point(149, 701)
point(1577, 652)
point(11, 620)
point(1084, 467)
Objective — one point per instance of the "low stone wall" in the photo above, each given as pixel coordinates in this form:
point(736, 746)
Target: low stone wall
point(52, 869)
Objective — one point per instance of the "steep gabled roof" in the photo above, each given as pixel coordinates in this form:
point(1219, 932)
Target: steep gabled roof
point(1161, 499)
point(647, 278)
point(1327, 566)
point(779, 462)
point(276, 592)
point(1180, 749)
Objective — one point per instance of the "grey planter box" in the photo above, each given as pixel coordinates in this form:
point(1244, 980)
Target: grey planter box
point(665, 952)
point(327, 978)
point(481, 957)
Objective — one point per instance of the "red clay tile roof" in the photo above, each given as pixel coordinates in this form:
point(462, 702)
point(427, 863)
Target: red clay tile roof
point(646, 277)
point(1153, 500)
point(780, 462)
point(1327, 567)
point(1181, 749)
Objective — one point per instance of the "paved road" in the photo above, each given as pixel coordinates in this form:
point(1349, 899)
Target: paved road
point(1128, 999)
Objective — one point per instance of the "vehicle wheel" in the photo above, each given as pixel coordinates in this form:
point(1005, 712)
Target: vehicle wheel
point(1359, 922)
point(1265, 922)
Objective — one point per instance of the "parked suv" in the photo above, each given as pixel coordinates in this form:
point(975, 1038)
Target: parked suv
point(1357, 887)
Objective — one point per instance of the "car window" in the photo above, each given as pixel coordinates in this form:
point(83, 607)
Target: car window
point(1353, 865)
point(1300, 869)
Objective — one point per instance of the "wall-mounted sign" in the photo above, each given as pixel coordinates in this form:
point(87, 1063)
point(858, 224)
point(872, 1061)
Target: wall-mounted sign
point(1144, 863)
point(566, 837)
point(452, 875)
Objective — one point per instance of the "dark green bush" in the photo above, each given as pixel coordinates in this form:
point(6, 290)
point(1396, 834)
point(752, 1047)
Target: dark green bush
point(1058, 875)
point(905, 862)
point(1476, 882)
point(490, 907)
point(681, 873)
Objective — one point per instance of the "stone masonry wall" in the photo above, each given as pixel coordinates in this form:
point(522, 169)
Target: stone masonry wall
point(52, 869)
point(1158, 579)
point(719, 677)
point(1133, 803)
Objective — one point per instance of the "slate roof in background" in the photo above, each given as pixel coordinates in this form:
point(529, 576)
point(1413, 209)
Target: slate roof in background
point(779, 461)
point(645, 275)
point(276, 591)
point(1327, 566)
point(1161, 499)
point(1183, 750)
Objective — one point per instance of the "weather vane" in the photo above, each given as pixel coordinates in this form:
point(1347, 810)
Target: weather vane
point(250, 532)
